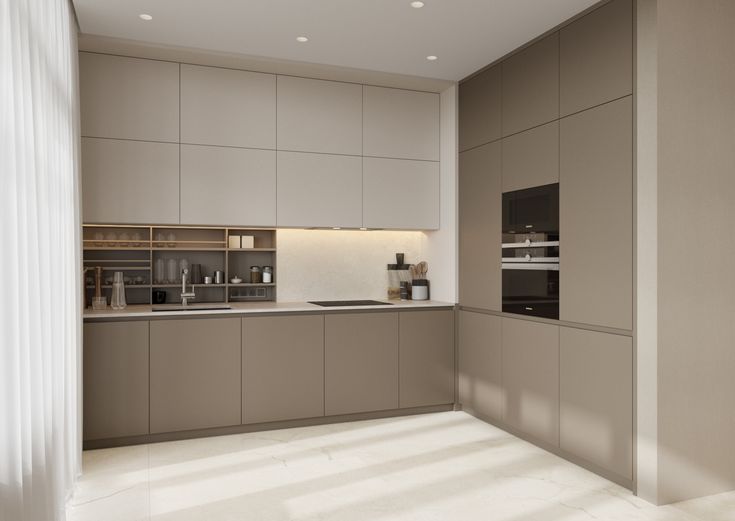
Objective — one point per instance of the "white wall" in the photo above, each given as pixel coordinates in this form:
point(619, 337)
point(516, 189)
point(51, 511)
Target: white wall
point(350, 264)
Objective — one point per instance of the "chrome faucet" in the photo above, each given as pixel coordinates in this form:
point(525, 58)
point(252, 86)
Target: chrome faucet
point(184, 295)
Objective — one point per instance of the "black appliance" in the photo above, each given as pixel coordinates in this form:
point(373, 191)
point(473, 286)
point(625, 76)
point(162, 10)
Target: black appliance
point(531, 251)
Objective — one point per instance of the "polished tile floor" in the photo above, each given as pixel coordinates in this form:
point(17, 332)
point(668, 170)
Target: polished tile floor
point(447, 466)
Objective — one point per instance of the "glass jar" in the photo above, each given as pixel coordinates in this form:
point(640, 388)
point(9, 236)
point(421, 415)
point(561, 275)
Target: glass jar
point(255, 275)
point(118, 292)
point(267, 274)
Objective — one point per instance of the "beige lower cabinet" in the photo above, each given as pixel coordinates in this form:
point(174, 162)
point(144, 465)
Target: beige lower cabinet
point(531, 378)
point(361, 362)
point(282, 368)
point(195, 374)
point(479, 365)
point(596, 382)
point(426, 358)
point(115, 379)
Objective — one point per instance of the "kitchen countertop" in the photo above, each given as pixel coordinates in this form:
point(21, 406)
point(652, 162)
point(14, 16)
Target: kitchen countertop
point(246, 308)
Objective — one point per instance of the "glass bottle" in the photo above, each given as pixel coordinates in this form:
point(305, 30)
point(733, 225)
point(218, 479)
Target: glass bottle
point(117, 301)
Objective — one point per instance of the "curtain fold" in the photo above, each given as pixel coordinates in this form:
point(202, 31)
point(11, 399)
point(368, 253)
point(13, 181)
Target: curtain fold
point(40, 260)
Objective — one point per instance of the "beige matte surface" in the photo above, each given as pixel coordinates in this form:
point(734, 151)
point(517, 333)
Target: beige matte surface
point(531, 86)
point(129, 98)
point(480, 109)
point(227, 107)
point(596, 216)
point(400, 123)
point(195, 374)
point(228, 186)
point(319, 116)
point(400, 194)
point(115, 380)
point(321, 190)
point(531, 158)
point(479, 361)
point(130, 181)
point(596, 398)
point(361, 362)
point(531, 378)
point(282, 368)
point(480, 223)
point(426, 358)
point(596, 57)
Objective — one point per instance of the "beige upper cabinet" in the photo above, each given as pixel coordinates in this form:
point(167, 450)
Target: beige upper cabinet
point(400, 123)
point(426, 358)
point(480, 223)
point(479, 361)
point(361, 362)
point(531, 86)
point(129, 98)
point(596, 389)
point(319, 116)
point(596, 216)
point(195, 374)
point(531, 378)
point(227, 107)
point(596, 57)
point(228, 186)
point(480, 109)
point(400, 194)
point(115, 379)
point(320, 190)
point(130, 181)
point(531, 158)
point(282, 368)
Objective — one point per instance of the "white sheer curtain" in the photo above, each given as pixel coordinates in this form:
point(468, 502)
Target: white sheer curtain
point(40, 269)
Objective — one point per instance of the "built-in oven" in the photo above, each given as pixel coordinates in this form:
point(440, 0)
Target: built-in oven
point(531, 251)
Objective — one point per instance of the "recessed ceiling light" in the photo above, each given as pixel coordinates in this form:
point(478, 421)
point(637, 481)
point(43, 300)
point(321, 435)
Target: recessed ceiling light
point(431, 57)
point(145, 17)
point(417, 5)
point(302, 39)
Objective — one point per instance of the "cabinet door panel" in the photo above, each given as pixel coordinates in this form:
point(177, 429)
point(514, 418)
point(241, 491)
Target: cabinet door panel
point(195, 374)
point(130, 182)
point(227, 107)
point(531, 378)
point(400, 123)
point(479, 360)
point(361, 362)
point(531, 86)
point(531, 158)
point(228, 186)
point(596, 57)
point(282, 368)
point(596, 419)
point(319, 116)
point(400, 194)
point(480, 223)
point(128, 98)
point(596, 216)
point(426, 359)
point(319, 190)
point(479, 109)
point(115, 380)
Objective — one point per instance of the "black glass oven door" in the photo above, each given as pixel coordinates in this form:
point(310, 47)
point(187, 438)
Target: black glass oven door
point(532, 210)
point(531, 289)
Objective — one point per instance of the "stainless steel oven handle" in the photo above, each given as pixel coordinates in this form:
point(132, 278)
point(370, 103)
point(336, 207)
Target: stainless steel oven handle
point(530, 244)
point(528, 259)
point(530, 266)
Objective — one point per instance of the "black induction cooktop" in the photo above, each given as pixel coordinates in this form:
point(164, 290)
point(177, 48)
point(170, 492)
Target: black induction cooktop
point(347, 303)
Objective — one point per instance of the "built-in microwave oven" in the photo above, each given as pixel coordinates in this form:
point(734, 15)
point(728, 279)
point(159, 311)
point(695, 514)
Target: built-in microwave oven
point(532, 210)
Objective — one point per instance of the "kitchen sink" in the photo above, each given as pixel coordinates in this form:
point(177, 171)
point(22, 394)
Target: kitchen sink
point(191, 307)
point(347, 303)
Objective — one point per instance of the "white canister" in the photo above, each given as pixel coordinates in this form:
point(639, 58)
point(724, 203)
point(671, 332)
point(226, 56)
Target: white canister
point(267, 275)
point(420, 289)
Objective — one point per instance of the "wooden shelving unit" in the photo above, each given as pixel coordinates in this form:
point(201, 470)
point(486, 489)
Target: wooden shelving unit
point(134, 250)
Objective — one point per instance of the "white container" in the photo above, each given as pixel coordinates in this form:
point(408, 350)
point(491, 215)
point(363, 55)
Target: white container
point(247, 241)
point(234, 242)
point(419, 291)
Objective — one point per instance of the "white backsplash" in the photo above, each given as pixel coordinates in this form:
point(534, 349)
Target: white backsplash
point(339, 264)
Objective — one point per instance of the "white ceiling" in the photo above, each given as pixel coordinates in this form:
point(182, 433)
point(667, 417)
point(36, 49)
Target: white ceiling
point(379, 35)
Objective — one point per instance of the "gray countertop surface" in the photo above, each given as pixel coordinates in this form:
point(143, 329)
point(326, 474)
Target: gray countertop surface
point(247, 308)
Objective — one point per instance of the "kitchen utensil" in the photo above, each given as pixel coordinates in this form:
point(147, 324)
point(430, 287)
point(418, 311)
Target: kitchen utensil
point(219, 277)
point(423, 268)
point(118, 301)
point(236, 280)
